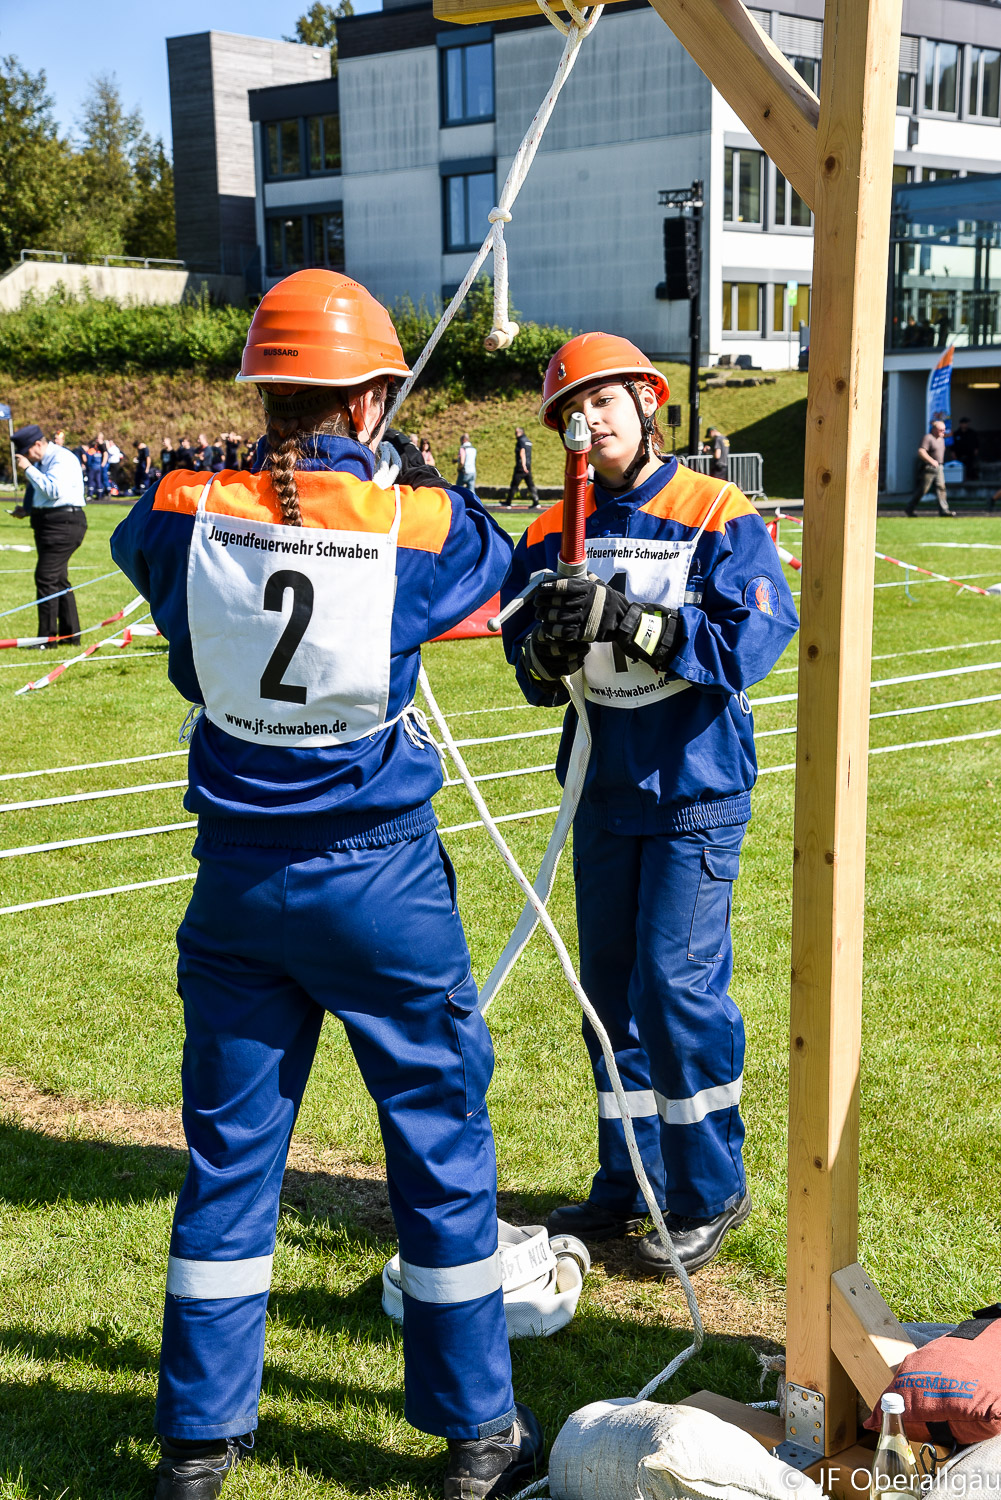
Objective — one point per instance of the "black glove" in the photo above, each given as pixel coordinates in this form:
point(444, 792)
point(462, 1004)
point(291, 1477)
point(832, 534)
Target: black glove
point(547, 661)
point(413, 470)
point(579, 609)
point(584, 609)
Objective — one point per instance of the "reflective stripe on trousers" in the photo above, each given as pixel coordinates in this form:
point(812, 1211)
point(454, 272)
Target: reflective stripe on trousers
point(653, 915)
point(271, 941)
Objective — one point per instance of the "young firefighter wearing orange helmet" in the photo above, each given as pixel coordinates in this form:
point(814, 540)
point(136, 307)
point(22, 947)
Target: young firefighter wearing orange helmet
point(682, 609)
point(295, 599)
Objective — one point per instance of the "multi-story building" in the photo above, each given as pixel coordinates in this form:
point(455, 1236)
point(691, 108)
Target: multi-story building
point(210, 73)
point(432, 114)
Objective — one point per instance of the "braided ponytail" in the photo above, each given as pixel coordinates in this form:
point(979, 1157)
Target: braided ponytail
point(284, 453)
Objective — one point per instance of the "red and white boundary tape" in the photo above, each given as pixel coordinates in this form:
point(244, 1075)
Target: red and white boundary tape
point(969, 588)
point(48, 640)
point(50, 677)
point(786, 556)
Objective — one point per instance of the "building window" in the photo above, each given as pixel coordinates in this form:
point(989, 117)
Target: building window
point(743, 173)
point(941, 77)
point(300, 240)
point(285, 245)
point(907, 73)
point(902, 174)
point(985, 83)
point(326, 239)
point(467, 83)
point(742, 307)
point(324, 132)
point(799, 310)
point(808, 69)
point(468, 200)
point(283, 148)
point(791, 211)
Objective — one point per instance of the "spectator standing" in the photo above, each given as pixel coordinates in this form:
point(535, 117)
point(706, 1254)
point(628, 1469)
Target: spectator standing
point(166, 455)
point(522, 469)
point(59, 437)
point(231, 441)
point(92, 455)
point(966, 447)
point(467, 464)
point(184, 457)
point(58, 519)
point(931, 471)
point(718, 447)
point(140, 478)
point(427, 457)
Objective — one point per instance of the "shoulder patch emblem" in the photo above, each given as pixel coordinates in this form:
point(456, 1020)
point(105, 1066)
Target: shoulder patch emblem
point(763, 594)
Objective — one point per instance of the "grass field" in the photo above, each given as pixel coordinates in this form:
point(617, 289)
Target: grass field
point(91, 1154)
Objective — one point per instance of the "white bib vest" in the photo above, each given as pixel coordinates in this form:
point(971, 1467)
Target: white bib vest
point(649, 572)
point(291, 627)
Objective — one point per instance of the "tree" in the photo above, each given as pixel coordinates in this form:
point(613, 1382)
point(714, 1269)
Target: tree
point(150, 229)
point(35, 180)
point(318, 27)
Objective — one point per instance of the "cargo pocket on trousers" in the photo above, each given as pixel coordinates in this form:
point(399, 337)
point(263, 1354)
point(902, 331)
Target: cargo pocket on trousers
point(711, 917)
point(473, 1042)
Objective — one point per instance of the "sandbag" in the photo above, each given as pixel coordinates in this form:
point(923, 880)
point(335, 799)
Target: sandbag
point(642, 1450)
point(976, 1471)
point(541, 1280)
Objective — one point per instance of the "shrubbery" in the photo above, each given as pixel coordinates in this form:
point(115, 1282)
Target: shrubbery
point(63, 336)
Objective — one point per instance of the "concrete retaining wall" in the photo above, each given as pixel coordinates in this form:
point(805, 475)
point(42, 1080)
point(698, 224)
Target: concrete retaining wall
point(122, 283)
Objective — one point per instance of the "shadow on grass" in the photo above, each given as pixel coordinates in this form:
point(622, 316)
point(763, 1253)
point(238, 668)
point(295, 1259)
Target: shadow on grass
point(98, 1445)
point(781, 438)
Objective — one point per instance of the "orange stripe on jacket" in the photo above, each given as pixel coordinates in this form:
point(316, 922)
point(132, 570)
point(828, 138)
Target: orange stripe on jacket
point(688, 496)
point(328, 500)
point(552, 519)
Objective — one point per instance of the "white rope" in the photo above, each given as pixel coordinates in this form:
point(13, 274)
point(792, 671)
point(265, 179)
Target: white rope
point(987, 666)
point(501, 775)
point(91, 661)
point(566, 963)
point(504, 330)
point(59, 593)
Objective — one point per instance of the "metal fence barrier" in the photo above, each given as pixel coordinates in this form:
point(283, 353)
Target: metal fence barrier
point(105, 260)
point(745, 470)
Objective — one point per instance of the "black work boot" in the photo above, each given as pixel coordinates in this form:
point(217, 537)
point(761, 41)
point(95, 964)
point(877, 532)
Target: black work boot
point(195, 1471)
point(695, 1240)
point(486, 1468)
point(593, 1221)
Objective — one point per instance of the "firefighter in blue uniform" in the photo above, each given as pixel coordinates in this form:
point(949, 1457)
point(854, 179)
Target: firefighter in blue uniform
point(295, 599)
point(683, 609)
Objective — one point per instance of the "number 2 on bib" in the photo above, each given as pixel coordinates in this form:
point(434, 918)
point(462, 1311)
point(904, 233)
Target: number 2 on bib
point(272, 685)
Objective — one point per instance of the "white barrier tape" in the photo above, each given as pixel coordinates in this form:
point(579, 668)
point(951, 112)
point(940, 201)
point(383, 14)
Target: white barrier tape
point(987, 666)
point(915, 651)
point(111, 890)
point(536, 812)
point(498, 739)
point(500, 775)
point(91, 661)
point(15, 547)
point(952, 739)
point(963, 546)
point(896, 713)
point(118, 791)
point(93, 765)
point(94, 838)
point(58, 595)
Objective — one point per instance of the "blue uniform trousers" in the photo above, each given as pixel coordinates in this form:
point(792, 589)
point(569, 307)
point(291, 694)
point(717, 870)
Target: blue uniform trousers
point(653, 916)
point(271, 941)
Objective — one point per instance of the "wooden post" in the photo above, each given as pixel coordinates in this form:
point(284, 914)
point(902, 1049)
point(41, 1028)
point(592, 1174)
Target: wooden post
point(851, 235)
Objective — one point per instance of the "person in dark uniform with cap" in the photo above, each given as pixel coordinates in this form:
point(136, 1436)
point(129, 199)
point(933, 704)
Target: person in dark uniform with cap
point(56, 506)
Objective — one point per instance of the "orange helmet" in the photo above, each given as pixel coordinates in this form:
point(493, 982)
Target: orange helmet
point(589, 359)
point(321, 328)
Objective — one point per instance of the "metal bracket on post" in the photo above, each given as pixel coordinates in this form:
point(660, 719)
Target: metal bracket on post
point(806, 1432)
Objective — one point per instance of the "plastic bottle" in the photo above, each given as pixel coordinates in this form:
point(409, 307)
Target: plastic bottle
point(894, 1471)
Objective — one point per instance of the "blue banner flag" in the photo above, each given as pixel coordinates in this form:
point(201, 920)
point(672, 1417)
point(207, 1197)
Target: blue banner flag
point(938, 400)
point(4, 413)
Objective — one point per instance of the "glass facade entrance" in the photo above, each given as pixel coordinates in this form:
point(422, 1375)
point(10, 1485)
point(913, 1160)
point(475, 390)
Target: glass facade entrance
point(945, 264)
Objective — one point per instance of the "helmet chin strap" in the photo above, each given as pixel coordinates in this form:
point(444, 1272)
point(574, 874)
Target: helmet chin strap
point(644, 453)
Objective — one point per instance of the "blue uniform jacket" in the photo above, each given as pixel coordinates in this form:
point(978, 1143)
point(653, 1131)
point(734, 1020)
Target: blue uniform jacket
point(451, 558)
point(686, 762)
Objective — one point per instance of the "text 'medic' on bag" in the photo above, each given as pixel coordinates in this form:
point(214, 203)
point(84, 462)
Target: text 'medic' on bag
point(952, 1386)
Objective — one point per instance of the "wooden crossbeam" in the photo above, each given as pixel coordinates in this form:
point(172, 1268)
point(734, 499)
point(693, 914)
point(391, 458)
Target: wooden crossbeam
point(865, 1336)
point(755, 79)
